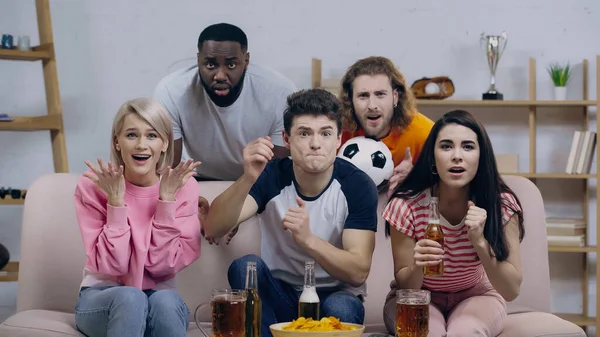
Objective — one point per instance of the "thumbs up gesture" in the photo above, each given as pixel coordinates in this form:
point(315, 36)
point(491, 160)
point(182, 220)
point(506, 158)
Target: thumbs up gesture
point(400, 172)
point(297, 221)
point(475, 222)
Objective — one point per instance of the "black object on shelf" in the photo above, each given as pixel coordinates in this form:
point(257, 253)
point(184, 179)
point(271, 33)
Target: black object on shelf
point(4, 256)
point(12, 192)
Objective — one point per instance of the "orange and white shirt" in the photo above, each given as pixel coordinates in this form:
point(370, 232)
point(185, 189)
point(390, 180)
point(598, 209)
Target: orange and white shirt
point(462, 268)
point(413, 136)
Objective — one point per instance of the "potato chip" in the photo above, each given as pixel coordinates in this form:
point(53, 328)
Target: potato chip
point(325, 324)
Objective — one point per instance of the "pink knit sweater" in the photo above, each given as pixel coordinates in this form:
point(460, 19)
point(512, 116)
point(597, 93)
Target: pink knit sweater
point(142, 244)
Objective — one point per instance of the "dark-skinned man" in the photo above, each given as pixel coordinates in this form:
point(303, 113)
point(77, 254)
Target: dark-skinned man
point(222, 103)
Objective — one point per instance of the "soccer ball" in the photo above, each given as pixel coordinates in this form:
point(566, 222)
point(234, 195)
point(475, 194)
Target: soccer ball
point(370, 155)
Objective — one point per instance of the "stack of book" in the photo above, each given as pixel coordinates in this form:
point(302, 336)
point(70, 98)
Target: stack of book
point(582, 152)
point(565, 232)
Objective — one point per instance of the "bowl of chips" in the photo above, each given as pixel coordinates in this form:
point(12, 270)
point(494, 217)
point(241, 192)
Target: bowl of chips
point(325, 327)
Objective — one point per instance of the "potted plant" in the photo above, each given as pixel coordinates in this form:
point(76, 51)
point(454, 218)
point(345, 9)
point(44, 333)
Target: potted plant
point(560, 76)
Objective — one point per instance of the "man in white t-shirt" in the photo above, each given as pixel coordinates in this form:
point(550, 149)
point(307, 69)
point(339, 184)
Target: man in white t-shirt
point(223, 103)
point(312, 206)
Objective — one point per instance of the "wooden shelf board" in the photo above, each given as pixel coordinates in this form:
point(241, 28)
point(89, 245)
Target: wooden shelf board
point(507, 103)
point(10, 201)
point(578, 319)
point(36, 54)
point(335, 89)
point(551, 175)
point(10, 272)
point(47, 122)
point(567, 249)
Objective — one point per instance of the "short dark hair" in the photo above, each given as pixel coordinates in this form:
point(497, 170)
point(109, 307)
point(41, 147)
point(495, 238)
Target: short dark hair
point(223, 32)
point(316, 102)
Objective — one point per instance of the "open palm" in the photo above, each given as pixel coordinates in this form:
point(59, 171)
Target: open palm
point(109, 179)
point(174, 178)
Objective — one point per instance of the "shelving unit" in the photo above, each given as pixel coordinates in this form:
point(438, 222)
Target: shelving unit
point(531, 106)
point(52, 121)
point(38, 53)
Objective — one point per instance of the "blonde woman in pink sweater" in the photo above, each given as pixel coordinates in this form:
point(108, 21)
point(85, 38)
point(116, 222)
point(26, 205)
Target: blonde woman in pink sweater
point(139, 223)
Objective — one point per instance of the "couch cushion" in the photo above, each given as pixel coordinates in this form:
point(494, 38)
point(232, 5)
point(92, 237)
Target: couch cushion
point(39, 323)
point(196, 282)
point(52, 253)
point(535, 287)
point(46, 323)
point(539, 324)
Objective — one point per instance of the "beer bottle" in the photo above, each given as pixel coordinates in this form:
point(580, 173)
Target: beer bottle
point(434, 232)
point(253, 302)
point(308, 305)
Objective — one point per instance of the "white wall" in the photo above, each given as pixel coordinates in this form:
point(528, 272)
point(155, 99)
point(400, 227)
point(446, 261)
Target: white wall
point(110, 51)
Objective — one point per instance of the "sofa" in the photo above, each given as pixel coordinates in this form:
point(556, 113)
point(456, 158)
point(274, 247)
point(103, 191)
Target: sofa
point(52, 258)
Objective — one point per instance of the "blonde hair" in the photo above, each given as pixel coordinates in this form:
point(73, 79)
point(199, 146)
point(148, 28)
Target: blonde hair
point(154, 114)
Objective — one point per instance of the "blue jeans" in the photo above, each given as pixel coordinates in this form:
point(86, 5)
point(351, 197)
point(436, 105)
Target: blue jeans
point(128, 311)
point(280, 299)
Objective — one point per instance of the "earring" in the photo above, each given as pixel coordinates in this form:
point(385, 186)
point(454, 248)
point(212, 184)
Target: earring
point(433, 170)
point(395, 105)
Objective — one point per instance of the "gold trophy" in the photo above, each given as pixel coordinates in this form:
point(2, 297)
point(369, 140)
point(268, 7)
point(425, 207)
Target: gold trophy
point(493, 46)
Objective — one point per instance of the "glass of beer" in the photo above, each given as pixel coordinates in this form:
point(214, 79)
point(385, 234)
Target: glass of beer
point(412, 312)
point(228, 312)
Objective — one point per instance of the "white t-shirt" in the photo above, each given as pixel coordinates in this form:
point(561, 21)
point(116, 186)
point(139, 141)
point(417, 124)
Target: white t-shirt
point(216, 136)
point(348, 202)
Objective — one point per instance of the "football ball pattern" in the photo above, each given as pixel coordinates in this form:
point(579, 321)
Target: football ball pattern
point(370, 155)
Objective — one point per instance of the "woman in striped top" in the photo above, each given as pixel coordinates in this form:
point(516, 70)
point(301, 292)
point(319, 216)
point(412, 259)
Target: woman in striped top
point(482, 223)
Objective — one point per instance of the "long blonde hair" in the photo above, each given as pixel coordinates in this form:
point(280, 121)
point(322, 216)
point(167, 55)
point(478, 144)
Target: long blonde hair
point(154, 114)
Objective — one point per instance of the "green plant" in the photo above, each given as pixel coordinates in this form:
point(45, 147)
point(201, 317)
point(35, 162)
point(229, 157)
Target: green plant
point(560, 75)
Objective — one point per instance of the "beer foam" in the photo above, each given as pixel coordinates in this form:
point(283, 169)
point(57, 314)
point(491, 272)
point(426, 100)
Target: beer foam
point(309, 295)
point(411, 301)
point(233, 298)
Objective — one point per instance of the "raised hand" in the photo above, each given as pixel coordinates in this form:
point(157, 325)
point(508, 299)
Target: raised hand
point(110, 180)
point(256, 156)
point(400, 172)
point(428, 253)
point(475, 221)
point(174, 178)
point(297, 221)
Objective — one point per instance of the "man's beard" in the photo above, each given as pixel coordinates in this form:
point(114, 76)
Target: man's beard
point(229, 99)
point(378, 132)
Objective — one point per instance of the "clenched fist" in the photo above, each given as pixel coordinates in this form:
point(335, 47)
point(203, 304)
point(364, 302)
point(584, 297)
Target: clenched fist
point(475, 221)
point(297, 221)
point(256, 156)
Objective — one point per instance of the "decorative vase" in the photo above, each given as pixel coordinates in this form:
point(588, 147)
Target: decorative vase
point(560, 93)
